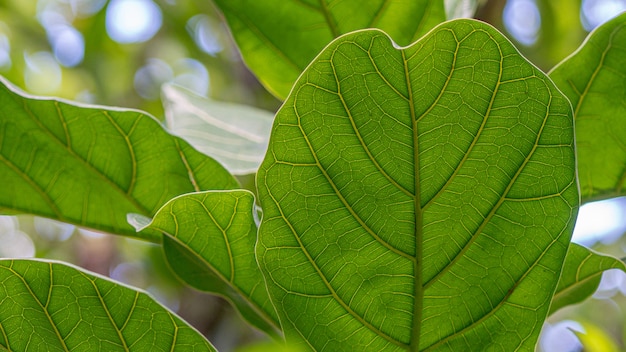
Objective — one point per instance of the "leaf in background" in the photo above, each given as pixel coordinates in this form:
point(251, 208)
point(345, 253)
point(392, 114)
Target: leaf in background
point(235, 135)
point(278, 38)
point(91, 165)
point(418, 198)
point(460, 8)
point(581, 275)
point(57, 307)
point(594, 80)
point(209, 244)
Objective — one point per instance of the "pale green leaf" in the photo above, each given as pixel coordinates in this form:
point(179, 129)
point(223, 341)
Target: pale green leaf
point(50, 306)
point(418, 198)
point(594, 80)
point(581, 275)
point(278, 38)
point(209, 244)
point(235, 135)
point(91, 165)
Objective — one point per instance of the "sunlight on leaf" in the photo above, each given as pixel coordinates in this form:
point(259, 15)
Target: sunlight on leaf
point(418, 198)
point(594, 80)
point(210, 245)
point(278, 38)
point(92, 165)
point(235, 135)
point(57, 307)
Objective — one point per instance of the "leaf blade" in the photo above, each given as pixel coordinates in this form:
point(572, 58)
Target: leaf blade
point(279, 38)
point(593, 78)
point(209, 243)
point(90, 166)
point(581, 275)
point(393, 173)
point(65, 308)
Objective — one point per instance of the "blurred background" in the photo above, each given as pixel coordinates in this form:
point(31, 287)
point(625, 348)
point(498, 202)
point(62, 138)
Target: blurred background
point(120, 53)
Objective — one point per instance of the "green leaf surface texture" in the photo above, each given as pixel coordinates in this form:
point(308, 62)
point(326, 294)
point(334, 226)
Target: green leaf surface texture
point(581, 275)
point(209, 243)
point(50, 306)
point(594, 80)
point(90, 165)
point(278, 38)
point(235, 135)
point(418, 198)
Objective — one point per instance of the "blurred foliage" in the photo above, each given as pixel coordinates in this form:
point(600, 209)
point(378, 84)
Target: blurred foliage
point(193, 48)
point(107, 73)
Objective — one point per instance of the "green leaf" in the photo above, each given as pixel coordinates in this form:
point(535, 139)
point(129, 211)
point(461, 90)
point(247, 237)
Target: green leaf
point(210, 245)
point(91, 165)
point(418, 198)
point(581, 275)
point(235, 135)
point(278, 38)
point(57, 307)
point(594, 80)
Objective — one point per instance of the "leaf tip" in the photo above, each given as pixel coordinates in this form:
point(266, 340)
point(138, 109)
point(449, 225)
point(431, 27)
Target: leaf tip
point(138, 221)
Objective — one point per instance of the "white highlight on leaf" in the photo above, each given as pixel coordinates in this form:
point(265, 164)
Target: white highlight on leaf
point(138, 221)
point(460, 8)
point(235, 135)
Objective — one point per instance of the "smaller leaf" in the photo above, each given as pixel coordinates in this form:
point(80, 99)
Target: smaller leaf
point(594, 80)
point(57, 307)
point(236, 135)
point(209, 244)
point(581, 275)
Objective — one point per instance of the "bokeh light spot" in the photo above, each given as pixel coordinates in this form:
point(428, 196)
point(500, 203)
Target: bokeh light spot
point(68, 45)
point(600, 221)
point(149, 78)
point(42, 74)
point(596, 12)
point(523, 20)
point(205, 33)
point(133, 21)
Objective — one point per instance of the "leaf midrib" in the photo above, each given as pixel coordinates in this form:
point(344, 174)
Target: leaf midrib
point(44, 308)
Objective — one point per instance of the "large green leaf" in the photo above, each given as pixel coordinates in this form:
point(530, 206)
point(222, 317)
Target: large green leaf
point(278, 38)
point(581, 275)
point(594, 80)
point(418, 198)
point(90, 165)
point(210, 245)
point(49, 306)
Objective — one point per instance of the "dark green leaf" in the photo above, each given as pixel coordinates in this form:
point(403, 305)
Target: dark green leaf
point(581, 275)
point(91, 165)
point(47, 306)
point(278, 38)
point(210, 245)
point(594, 80)
point(418, 198)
